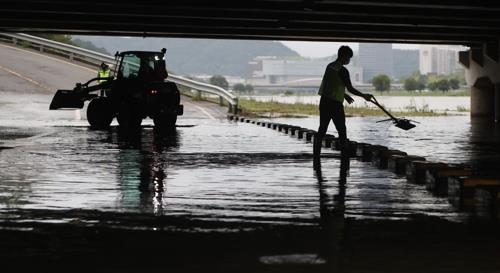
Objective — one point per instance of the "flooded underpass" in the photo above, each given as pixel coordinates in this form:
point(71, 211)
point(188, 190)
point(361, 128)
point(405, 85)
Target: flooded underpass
point(217, 195)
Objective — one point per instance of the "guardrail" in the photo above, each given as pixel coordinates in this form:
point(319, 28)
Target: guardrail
point(96, 58)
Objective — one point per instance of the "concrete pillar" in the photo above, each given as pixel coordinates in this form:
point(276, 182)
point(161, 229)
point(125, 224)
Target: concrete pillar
point(482, 98)
point(483, 75)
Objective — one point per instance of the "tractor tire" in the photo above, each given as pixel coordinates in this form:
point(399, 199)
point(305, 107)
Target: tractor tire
point(100, 113)
point(129, 117)
point(165, 122)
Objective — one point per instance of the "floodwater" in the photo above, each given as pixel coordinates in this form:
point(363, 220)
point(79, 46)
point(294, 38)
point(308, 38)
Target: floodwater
point(220, 195)
point(207, 169)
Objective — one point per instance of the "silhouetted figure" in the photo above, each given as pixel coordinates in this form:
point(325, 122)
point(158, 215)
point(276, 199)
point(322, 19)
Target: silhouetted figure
point(104, 73)
point(146, 72)
point(332, 90)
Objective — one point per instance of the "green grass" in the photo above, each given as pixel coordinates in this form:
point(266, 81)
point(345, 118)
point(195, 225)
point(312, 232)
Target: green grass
point(251, 107)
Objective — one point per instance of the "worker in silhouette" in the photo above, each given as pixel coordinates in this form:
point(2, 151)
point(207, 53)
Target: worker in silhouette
point(146, 72)
point(103, 73)
point(332, 91)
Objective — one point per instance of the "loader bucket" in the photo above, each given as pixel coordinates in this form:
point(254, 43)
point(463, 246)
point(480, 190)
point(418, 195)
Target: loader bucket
point(66, 99)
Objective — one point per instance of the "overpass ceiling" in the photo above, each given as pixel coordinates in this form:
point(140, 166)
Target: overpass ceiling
point(404, 21)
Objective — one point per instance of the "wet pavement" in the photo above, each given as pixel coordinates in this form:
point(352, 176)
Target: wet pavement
point(217, 196)
point(221, 196)
point(209, 169)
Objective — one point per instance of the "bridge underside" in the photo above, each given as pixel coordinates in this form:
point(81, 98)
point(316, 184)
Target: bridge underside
point(404, 21)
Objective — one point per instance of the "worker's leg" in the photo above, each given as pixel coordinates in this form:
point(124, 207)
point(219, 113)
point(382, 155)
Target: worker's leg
point(339, 121)
point(325, 115)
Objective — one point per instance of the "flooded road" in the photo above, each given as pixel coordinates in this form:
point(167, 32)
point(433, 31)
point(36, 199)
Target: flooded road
point(226, 195)
point(221, 196)
point(210, 168)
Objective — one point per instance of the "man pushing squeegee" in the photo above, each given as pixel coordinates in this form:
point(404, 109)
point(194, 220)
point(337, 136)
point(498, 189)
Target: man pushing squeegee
point(332, 90)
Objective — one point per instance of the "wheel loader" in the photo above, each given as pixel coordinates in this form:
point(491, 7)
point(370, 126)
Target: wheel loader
point(136, 89)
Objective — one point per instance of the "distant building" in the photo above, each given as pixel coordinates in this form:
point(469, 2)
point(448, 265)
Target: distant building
point(299, 72)
point(375, 59)
point(441, 60)
point(405, 62)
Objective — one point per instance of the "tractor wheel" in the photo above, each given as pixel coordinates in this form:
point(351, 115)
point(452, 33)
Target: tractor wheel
point(165, 122)
point(100, 113)
point(129, 116)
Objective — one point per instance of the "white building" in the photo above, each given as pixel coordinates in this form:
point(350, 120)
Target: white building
point(438, 59)
point(267, 71)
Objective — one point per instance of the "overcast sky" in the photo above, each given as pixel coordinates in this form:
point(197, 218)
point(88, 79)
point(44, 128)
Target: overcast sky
point(323, 49)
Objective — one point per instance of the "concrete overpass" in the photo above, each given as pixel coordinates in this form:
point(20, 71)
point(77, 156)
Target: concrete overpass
point(475, 24)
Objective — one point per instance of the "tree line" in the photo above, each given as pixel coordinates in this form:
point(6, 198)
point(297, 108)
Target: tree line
point(421, 82)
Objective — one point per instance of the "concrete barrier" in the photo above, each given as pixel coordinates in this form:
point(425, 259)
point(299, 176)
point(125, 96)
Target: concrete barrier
point(461, 190)
point(415, 170)
point(397, 163)
point(285, 128)
point(380, 158)
point(365, 151)
point(281, 127)
point(350, 150)
point(436, 180)
point(360, 148)
point(301, 133)
point(293, 130)
point(328, 140)
point(310, 135)
point(336, 144)
point(487, 202)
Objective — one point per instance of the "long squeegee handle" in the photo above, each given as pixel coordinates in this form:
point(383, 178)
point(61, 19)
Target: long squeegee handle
point(374, 101)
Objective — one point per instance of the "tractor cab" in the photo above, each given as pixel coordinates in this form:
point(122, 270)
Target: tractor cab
point(141, 65)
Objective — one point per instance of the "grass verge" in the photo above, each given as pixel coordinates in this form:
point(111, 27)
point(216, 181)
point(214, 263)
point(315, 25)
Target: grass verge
point(251, 107)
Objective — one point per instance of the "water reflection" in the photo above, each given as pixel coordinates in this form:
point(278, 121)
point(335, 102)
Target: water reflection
point(143, 164)
point(484, 139)
point(332, 216)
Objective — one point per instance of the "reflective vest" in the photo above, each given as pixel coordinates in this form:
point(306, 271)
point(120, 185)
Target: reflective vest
point(103, 74)
point(332, 85)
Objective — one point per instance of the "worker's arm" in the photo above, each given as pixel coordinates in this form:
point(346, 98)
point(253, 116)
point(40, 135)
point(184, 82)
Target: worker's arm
point(344, 75)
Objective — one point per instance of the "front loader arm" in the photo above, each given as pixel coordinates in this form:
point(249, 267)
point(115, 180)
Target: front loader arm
point(74, 99)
